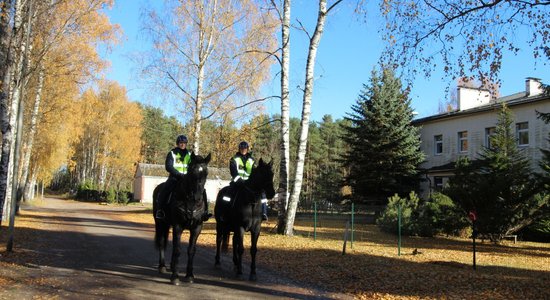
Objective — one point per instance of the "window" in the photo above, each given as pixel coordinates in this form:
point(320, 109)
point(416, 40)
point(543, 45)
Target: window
point(463, 141)
point(489, 133)
point(522, 133)
point(438, 183)
point(438, 142)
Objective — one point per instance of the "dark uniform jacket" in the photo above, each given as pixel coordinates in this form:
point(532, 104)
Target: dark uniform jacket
point(233, 165)
point(169, 163)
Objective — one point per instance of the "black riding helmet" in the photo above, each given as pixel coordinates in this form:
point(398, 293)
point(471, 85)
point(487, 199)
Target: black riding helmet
point(243, 145)
point(180, 139)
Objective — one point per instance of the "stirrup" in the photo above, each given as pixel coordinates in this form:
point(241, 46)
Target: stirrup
point(264, 217)
point(160, 214)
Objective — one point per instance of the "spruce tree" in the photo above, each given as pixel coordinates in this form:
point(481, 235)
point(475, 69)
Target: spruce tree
point(159, 134)
point(384, 148)
point(500, 186)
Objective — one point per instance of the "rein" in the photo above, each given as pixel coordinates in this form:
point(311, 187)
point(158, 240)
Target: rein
point(188, 204)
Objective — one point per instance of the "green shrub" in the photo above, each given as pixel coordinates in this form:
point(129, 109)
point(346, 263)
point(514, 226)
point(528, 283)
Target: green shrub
point(539, 231)
point(111, 196)
point(439, 215)
point(124, 197)
point(388, 221)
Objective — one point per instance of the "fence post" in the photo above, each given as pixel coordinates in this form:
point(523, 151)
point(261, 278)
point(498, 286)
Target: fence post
point(345, 237)
point(352, 222)
point(314, 221)
point(399, 230)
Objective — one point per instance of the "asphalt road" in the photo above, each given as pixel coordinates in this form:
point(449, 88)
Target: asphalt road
point(96, 255)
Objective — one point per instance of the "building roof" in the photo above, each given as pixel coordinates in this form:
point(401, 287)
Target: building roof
point(512, 100)
point(151, 170)
point(155, 170)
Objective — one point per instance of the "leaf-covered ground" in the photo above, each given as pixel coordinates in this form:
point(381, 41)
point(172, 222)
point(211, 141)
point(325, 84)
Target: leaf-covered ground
point(370, 268)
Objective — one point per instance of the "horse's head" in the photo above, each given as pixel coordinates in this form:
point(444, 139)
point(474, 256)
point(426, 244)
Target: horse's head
point(197, 171)
point(263, 173)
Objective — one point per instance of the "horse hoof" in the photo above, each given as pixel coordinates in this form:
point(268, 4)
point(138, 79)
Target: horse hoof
point(175, 281)
point(189, 279)
point(162, 270)
point(252, 277)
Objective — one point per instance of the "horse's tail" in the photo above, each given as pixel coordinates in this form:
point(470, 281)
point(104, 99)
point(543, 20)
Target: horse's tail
point(222, 227)
point(225, 240)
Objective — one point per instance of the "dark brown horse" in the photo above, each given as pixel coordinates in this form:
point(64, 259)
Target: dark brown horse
point(243, 213)
point(184, 212)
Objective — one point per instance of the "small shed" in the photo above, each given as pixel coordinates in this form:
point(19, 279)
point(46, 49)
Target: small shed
point(148, 176)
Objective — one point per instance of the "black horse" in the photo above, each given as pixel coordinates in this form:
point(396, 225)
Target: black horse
point(184, 212)
point(243, 213)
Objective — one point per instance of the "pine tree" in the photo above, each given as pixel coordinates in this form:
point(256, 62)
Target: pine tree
point(159, 135)
point(384, 148)
point(500, 186)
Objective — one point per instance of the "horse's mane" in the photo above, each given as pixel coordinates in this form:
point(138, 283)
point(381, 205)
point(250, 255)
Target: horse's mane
point(190, 180)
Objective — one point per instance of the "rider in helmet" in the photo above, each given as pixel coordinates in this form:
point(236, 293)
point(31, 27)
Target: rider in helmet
point(240, 167)
point(176, 164)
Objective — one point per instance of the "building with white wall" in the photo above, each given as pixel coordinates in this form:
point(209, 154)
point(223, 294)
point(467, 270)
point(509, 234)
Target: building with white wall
point(465, 131)
point(148, 176)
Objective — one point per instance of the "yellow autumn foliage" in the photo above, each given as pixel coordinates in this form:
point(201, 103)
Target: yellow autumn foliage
point(109, 133)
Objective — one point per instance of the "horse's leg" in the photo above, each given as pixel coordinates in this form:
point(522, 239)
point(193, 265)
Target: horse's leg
point(176, 251)
point(191, 249)
point(254, 236)
point(238, 250)
point(161, 238)
point(219, 237)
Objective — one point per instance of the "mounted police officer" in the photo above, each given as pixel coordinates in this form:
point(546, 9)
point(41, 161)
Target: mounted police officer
point(176, 164)
point(240, 167)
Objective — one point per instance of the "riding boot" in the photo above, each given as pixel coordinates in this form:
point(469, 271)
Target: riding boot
point(264, 211)
point(264, 207)
point(206, 215)
point(163, 199)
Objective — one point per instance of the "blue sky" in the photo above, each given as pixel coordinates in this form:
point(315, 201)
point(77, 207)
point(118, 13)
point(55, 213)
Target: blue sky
point(347, 54)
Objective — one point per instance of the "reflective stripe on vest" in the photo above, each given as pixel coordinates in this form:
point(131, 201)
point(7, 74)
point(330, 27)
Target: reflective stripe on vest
point(244, 169)
point(180, 164)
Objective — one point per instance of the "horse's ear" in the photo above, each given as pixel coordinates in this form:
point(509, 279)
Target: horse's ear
point(261, 162)
point(193, 156)
point(208, 157)
point(270, 163)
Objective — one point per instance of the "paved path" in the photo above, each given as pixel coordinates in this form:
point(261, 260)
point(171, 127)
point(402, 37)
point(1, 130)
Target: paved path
point(96, 255)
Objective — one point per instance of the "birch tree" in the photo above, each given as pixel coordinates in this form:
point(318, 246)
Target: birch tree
point(6, 57)
point(209, 55)
point(314, 41)
point(468, 37)
point(109, 122)
point(16, 69)
point(64, 52)
point(284, 61)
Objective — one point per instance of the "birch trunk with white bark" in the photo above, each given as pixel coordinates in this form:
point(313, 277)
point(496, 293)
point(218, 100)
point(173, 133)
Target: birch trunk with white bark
point(197, 116)
point(27, 190)
point(9, 125)
point(285, 118)
point(306, 113)
point(5, 75)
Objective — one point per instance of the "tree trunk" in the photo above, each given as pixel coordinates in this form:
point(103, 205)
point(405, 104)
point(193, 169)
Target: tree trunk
point(198, 110)
point(306, 112)
point(27, 190)
point(14, 65)
point(5, 75)
point(285, 119)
